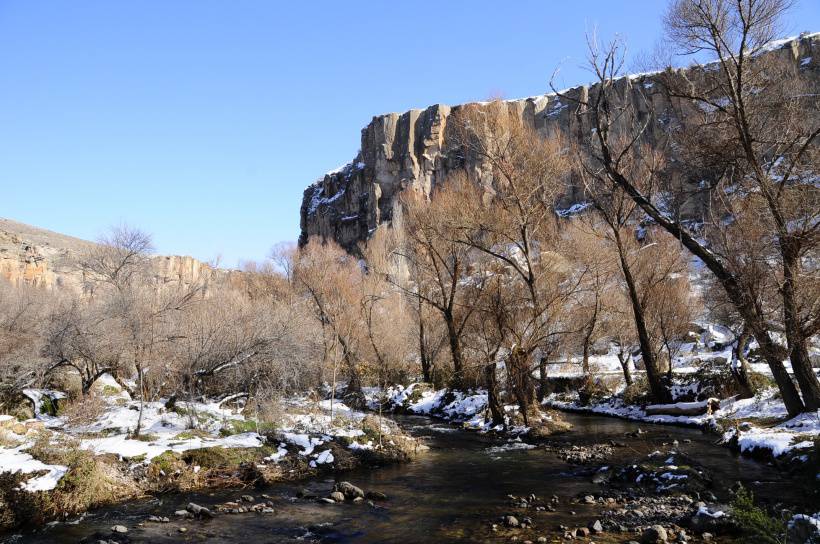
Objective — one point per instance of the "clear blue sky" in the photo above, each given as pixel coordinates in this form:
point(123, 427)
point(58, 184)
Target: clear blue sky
point(202, 121)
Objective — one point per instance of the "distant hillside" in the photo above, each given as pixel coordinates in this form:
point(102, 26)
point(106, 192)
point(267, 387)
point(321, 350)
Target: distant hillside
point(43, 258)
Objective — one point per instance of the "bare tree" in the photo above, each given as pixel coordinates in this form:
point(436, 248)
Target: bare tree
point(438, 265)
point(119, 255)
point(22, 311)
point(736, 32)
point(758, 131)
point(329, 278)
point(514, 222)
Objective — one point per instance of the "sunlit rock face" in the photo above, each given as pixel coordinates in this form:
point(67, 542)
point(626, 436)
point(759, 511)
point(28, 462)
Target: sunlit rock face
point(415, 149)
point(41, 258)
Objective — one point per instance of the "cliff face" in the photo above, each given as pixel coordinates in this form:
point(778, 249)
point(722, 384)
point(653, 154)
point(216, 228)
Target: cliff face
point(41, 258)
point(414, 149)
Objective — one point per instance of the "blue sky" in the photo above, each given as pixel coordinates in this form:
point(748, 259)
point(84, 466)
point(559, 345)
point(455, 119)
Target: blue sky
point(202, 121)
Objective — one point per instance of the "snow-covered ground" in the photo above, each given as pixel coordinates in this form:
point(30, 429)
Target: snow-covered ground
point(739, 418)
point(760, 423)
point(469, 409)
point(305, 426)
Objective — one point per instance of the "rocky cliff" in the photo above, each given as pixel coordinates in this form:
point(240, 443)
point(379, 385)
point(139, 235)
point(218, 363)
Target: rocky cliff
point(413, 149)
point(42, 258)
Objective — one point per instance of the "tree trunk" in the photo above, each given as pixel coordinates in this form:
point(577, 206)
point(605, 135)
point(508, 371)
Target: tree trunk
point(740, 297)
point(798, 351)
point(138, 427)
point(353, 395)
point(521, 381)
point(625, 366)
point(587, 341)
point(806, 378)
point(425, 357)
point(791, 398)
point(740, 367)
point(457, 382)
point(660, 393)
point(354, 383)
point(542, 376)
point(491, 383)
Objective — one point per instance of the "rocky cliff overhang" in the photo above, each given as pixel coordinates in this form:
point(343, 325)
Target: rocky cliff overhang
point(412, 149)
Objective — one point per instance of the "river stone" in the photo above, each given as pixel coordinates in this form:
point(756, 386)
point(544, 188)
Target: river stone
point(122, 529)
point(376, 496)
point(511, 521)
point(337, 496)
point(582, 532)
point(248, 498)
point(326, 500)
point(596, 527)
point(654, 535)
point(200, 511)
point(349, 490)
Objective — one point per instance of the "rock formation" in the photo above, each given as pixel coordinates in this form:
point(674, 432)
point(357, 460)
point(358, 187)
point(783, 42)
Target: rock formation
point(413, 149)
point(42, 258)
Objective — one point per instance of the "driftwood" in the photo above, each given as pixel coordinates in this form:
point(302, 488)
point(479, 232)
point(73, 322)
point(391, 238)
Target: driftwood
point(707, 406)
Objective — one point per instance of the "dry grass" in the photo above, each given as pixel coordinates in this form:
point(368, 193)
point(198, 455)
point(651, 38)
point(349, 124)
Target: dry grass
point(91, 482)
point(83, 410)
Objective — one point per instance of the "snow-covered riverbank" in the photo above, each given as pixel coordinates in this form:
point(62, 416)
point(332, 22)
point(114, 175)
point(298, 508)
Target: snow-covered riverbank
point(180, 446)
point(758, 425)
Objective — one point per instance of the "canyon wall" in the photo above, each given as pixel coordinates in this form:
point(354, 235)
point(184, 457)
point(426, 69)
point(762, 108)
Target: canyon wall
point(414, 149)
point(42, 258)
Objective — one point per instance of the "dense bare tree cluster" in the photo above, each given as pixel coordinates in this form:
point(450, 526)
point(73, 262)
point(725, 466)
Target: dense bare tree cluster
point(158, 338)
point(749, 141)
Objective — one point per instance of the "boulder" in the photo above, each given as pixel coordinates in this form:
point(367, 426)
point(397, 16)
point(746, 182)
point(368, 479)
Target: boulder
point(199, 511)
point(337, 496)
point(654, 535)
point(376, 496)
point(349, 490)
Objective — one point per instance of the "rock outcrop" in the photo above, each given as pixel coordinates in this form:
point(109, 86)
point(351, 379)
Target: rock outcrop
point(413, 149)
point(42, 258)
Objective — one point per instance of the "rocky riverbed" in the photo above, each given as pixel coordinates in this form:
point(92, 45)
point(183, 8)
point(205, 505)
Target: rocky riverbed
point(603, 481)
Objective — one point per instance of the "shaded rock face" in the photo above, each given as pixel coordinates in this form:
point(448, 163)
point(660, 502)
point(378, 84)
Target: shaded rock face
point(416, 150)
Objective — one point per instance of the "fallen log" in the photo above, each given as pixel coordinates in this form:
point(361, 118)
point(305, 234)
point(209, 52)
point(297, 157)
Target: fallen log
point(699, 408)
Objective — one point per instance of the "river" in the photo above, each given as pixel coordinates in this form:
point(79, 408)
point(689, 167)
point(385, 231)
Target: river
point(451, 492)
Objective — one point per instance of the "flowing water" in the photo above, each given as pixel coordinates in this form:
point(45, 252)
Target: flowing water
point(452, 492)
